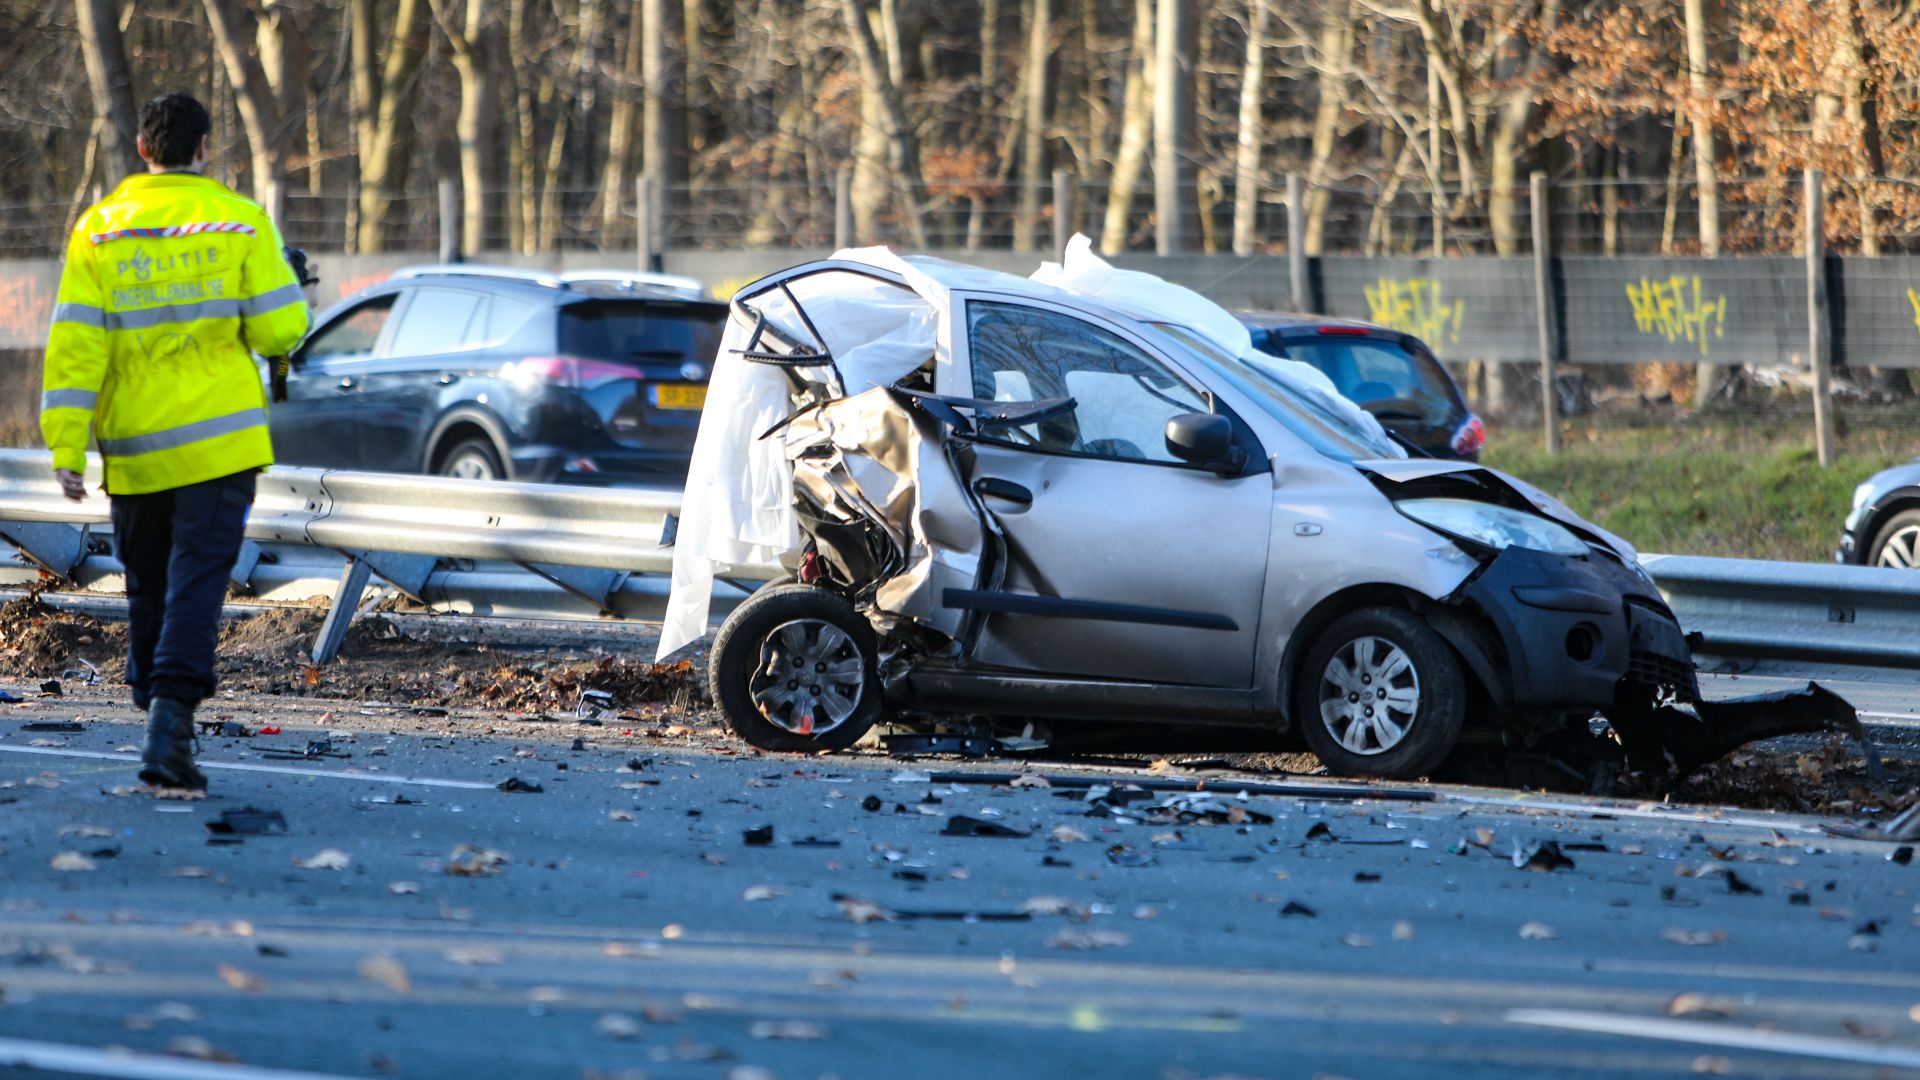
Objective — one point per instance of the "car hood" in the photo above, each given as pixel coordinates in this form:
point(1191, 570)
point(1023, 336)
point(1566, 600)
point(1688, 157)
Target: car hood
point(1414, 470)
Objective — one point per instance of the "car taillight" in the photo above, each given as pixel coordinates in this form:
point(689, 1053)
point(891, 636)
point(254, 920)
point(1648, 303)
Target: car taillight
point(572, 372)
point(1350, 331)
point(1470, 438)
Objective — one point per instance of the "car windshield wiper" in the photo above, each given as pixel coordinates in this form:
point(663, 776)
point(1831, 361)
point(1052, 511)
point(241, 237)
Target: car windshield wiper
point(1402, 440)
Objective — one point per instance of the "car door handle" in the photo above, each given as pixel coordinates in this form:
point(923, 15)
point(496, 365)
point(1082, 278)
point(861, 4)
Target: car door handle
point(345, 383)
point(997, 488)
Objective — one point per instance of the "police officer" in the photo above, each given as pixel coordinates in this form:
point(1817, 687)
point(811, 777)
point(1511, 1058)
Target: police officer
point(171, 284)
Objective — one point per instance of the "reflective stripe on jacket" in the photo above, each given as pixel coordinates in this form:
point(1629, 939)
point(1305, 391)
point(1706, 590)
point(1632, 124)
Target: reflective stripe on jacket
point(171, 284)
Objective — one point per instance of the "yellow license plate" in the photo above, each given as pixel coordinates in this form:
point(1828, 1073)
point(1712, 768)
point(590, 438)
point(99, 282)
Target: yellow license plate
point(691, 396)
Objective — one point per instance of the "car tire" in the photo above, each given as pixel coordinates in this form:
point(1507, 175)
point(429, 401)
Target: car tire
point(766, 632)
point(1418, 695)
point(1897, 544)
point(474, 459)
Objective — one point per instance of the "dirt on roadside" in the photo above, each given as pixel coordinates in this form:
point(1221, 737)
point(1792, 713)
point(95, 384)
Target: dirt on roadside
point(41, 642)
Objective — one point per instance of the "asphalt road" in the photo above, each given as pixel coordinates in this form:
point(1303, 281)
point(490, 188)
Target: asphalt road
point(634, 930)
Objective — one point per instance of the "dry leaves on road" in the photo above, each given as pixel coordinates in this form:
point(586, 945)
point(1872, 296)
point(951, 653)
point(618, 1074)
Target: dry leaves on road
point(90, 832)
point(384, 970)
point(798, 1030)
point(1089, 939)
point(762, 892)
point(70, 862)
point(325, 859)
point(617, 1026)
point(862, 911)
point(241, 980)
point(470, 861)
point(1537, 931)
point(1693, 937)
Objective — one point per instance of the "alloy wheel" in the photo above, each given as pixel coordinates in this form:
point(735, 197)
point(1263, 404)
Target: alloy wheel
point(1369, 695)
point(1902, 549)
point(810, 677)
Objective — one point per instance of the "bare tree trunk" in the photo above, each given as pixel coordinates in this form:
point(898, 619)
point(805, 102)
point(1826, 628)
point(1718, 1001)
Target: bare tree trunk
point(1706, 184)
point(1448, 66)
point(1033, 139)
point(1174, 188)
point(472, 59)
point(383, 166)
point(989, 46)
point(524, 222)
point(613, 178)
point(281, 35)
point(1675, 163)
point(1136, 130)
point(663, 134)
point(1246, 171)
point(110, 81)
point(1510, 128)
point(903, 158)
point(1335, 47)
point(254, 97)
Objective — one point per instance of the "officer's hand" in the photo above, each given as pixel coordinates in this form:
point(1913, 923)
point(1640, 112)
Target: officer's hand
point(72, 484)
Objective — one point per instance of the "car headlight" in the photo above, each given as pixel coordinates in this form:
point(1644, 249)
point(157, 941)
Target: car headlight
point(1493, 526)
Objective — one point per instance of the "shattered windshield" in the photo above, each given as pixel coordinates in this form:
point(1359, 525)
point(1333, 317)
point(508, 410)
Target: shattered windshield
point(1319, 425)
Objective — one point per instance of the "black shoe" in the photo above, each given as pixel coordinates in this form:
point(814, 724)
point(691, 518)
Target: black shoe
point(168, 758)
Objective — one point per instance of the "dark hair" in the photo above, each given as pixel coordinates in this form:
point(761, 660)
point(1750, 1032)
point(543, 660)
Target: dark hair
point(173, 125)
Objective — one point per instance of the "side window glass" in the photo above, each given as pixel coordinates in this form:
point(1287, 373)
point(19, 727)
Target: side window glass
point(353, 335)
point(435, 321)
point(502, 319)
point(1123, 396)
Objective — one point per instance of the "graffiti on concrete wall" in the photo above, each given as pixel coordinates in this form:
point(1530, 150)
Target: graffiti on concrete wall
point(1913, 297)
point(1678, 309)
point(1416, 306)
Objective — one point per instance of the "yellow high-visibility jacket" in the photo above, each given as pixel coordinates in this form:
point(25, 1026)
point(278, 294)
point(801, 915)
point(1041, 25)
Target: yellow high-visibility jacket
point(171, 284)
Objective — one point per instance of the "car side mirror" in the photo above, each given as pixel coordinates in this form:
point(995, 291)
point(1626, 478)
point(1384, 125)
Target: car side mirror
point(1204, 439)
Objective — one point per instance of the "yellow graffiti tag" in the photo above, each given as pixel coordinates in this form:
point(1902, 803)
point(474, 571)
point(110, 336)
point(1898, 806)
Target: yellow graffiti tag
point(1415, 306)
point(1667, 308)
point(1913, 298)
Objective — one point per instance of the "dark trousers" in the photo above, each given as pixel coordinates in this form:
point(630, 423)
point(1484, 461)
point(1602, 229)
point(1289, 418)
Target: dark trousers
point(178, 547)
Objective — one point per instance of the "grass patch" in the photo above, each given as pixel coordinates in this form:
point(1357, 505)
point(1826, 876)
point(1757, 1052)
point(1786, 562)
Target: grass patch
point(1706, 487)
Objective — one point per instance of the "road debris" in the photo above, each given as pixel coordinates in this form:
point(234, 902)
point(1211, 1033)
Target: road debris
point(326, 859)
point(247, 821)
point(963, 825)
point(468, 860)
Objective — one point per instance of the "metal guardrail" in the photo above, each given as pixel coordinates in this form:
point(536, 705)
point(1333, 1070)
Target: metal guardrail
point(1812, 612)
point(481, 547)
point(545, 551)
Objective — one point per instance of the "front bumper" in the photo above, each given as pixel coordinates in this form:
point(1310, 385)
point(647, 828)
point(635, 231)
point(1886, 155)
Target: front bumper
point(1572, 628)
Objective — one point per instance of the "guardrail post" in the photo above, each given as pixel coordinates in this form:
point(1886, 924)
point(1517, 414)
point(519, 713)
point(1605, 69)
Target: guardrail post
point(1819, 356)
point(1297, 241)
point(1062, 213)
point(1542, 297)
point(449, 223)
point(353, 586)
point(843, 208)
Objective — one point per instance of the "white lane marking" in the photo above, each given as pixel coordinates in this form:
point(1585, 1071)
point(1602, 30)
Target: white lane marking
point(1692, 1031)
point(281, 770)
point(1906, 717)
point(60, 1057)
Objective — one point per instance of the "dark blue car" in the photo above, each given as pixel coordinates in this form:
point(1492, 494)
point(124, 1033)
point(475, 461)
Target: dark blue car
point(1391, 374)
point(594, 377)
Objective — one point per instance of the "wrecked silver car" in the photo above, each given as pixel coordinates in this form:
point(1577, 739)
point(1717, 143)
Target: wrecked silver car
point(1013, 505)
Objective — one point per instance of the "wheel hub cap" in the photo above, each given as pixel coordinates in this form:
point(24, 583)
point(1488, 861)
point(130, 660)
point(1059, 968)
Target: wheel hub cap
point(808, 704)
point(1369, 695)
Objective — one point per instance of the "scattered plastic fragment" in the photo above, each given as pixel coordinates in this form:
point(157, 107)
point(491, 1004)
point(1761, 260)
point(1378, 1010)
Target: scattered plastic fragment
point(962, 825)
point(67, 726)
point(514, 784)
point(248, 821)
point(760, 837)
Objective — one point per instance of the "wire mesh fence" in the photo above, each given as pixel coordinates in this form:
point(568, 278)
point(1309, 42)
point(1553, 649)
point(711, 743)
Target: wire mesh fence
point(1643, 337)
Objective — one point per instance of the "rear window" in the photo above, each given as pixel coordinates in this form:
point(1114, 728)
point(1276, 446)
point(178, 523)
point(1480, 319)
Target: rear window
point(1380, 376)
point(642, 331)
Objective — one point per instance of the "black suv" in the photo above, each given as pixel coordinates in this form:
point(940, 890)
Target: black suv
point(594, 377)
point(1392, 375)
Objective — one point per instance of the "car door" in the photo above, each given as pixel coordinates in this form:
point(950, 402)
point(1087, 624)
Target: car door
point(1124, 562)
point(401, 388)
point(315, 425)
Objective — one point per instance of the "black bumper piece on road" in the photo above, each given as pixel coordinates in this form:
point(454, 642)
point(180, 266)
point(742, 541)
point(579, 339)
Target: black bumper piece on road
point(1572, 628)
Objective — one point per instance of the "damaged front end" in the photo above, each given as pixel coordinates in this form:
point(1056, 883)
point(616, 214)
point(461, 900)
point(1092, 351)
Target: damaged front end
point(1557, 637)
